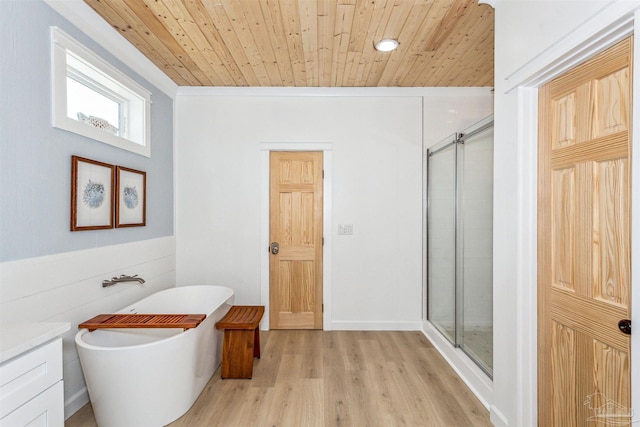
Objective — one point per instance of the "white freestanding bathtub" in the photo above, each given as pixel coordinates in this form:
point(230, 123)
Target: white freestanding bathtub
point(151, 377)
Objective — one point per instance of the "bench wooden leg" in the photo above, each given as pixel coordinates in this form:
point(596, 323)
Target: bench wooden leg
point(256, 343)
point(238, 350)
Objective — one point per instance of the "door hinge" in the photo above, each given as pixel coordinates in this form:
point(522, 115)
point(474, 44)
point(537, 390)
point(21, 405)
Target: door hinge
point(323, 308)
point(322, 173)
point(323, 241)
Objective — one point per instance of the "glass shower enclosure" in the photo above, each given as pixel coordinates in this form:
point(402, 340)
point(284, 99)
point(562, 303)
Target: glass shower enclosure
point(460, 241)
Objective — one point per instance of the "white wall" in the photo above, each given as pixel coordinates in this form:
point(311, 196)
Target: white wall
point(376, 186)
point(525, 32)
point(376, 150)
point(454, 110)
point(528, 27)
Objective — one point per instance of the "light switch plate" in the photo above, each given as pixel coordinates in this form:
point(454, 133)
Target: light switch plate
point(345, 229)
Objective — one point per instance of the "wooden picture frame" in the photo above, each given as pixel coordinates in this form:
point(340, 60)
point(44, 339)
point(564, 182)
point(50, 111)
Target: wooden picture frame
point(92, 186)
point(131, 197)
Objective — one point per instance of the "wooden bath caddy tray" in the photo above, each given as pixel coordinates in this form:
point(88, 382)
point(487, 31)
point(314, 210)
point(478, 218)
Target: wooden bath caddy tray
point(103, 321)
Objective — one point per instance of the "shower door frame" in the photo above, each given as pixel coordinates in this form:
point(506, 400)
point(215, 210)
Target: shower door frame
point(456, 140)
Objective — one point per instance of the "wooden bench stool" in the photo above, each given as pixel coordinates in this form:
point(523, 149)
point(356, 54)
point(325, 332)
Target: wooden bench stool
point(241, 342)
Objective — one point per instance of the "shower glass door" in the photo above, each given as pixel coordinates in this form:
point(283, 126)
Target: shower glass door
point(442, 237)
point(460, 241)
point(475, 229)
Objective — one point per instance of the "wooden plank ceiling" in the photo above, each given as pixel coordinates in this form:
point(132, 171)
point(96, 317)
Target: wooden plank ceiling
point(310, 43)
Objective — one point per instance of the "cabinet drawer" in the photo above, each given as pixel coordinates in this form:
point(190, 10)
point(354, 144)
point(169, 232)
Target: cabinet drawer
point(45, 410)
point(26, 376)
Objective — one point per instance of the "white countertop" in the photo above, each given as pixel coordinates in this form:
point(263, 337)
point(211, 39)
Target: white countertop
point(17, 338)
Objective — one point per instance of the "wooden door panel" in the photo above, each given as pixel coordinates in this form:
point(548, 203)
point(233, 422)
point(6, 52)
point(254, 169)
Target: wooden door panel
point(563, 365)
point(295, 171)
point(611, 249)
point(285, 218)
point(610, 363)
point(612, 103)
point(297, 294)
point(306, 302)
point(307, 224)
point(584, 243)
point(564, 128)
point(296, 224)
point(562, 232)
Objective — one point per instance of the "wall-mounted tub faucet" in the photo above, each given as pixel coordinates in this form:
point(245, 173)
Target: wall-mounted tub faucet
point(122, 278)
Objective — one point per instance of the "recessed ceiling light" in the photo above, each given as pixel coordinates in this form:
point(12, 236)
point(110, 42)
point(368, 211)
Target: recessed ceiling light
point(387, 45)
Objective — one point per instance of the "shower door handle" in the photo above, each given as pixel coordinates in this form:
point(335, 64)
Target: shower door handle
point(275, 248)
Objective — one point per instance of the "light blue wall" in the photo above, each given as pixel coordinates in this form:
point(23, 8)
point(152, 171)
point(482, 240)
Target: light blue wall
point(35, 158)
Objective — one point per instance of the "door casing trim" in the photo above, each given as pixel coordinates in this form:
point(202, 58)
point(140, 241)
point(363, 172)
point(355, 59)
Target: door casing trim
point(326, 149)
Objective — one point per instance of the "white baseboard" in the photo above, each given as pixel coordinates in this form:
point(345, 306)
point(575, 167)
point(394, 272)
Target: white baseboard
point(497, 418)
point(75, 402)
point(477, 381)
point(349, 325)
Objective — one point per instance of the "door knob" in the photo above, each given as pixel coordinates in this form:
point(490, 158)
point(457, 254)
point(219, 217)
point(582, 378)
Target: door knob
point(625, 326)
point(275, 248)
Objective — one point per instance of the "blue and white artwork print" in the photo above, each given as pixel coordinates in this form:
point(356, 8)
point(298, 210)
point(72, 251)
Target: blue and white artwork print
point(93, 194)
point(131, 199)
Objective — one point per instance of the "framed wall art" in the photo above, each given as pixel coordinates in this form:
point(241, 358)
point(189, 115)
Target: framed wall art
point(131, 197)
point(91, 194)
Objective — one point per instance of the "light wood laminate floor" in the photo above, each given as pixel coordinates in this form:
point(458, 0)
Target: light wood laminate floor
point(337, 378)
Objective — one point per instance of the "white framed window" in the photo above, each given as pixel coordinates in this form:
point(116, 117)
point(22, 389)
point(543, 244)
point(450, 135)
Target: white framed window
point(92, 98)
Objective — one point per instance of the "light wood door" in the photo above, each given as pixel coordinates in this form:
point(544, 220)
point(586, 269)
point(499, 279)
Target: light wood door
point(584, 256)
point(295, 300)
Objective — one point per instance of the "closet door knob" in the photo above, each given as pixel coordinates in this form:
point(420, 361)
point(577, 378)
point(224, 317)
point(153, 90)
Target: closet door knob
point(625, 326)
point(275, 248)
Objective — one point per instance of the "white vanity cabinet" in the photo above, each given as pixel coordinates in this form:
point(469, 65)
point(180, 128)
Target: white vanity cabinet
point(31, 387)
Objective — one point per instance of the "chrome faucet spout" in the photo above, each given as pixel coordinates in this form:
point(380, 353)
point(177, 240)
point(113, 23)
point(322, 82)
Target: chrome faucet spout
point(133, 278)
point(122, 278)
